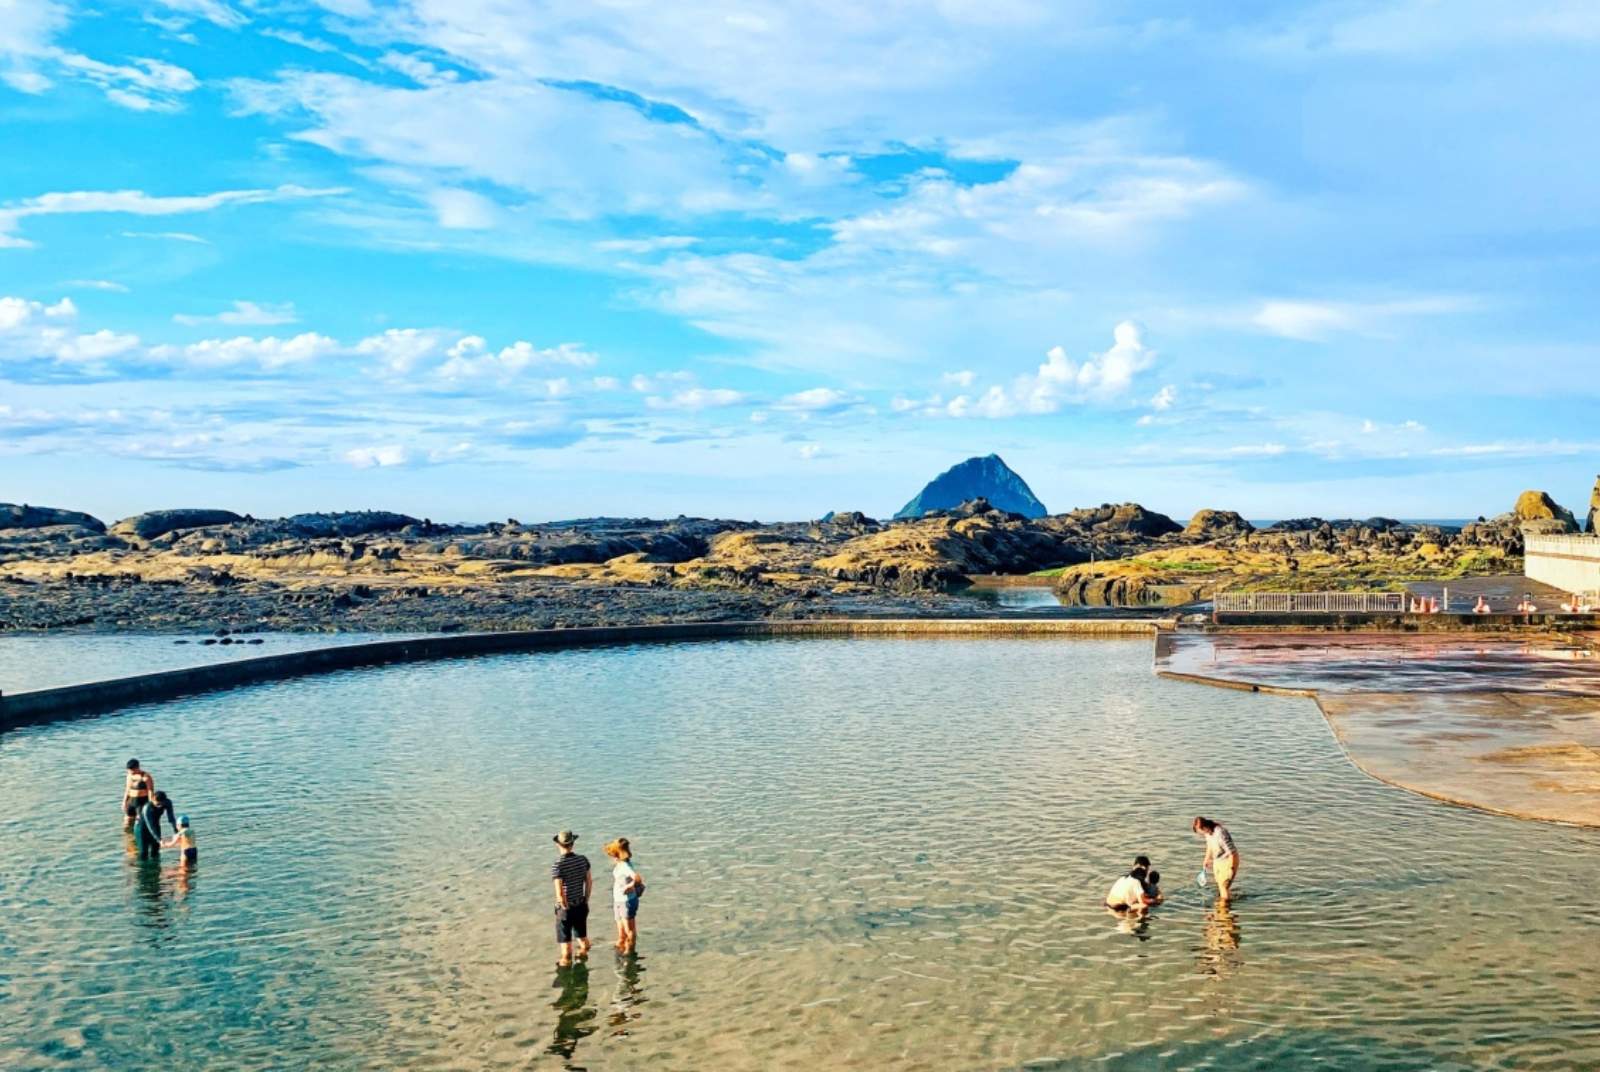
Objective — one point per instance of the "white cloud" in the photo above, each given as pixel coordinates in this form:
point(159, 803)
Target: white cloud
point(964, 378)
point(294, 37)
point(97, 284)
point(646, 245)
point(817, 400)
point(380, 457)
point(612, 160)
point(139, 203)
point(810, 451)
point(463, 210)
point(244, 313)
point(659, 382)
point(471, 359)
point(400, 350)
point(1165, 398)
point(170, 236)
point(696, 398)
point(211, 10)
point(269, 353)
point(1315, 321)
point(1061, 381)
point(34, 331)
point(418, 69)
point(144, 85)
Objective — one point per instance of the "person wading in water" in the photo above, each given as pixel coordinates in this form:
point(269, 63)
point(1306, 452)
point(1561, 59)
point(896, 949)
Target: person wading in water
point(573, 885)
point(135, 792)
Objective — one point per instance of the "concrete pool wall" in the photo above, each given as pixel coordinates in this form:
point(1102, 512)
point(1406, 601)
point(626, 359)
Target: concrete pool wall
point(71, 701)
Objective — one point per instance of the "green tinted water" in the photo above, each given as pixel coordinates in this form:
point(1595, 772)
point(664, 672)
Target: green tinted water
point(873, 853)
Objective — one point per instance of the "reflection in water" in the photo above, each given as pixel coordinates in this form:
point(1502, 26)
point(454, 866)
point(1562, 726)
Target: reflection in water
point(1219, 954)
point(151, 907)
point(629, 994)
point(574, 1015)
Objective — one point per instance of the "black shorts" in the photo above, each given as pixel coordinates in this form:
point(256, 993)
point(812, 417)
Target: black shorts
point(133, 808)
point(572, 922)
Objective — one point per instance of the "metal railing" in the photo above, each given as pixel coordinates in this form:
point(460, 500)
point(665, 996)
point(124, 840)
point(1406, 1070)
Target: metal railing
point(1584, 546)
point(1310, 602)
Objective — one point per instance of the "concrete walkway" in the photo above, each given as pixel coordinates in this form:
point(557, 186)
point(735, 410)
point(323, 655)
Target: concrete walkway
point(1506, 724)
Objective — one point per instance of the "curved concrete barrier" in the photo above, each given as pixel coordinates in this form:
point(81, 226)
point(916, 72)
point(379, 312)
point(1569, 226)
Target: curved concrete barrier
point(71, 701)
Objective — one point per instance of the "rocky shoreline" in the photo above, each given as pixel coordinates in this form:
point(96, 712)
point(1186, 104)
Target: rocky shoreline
point(375, 571)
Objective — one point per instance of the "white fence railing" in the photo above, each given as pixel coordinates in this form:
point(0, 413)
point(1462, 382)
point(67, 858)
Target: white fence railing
point(1584, 546)
point(1310, 602)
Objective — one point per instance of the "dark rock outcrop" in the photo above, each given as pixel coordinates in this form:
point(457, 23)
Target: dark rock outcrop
point(1217, 524)
point(14, 516)
point(986, 478)
point(348, 523)
point(160, 522)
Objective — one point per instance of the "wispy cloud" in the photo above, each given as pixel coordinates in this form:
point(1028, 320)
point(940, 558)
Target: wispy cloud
point(140, 203)
point(1314, 321)
point(243, 313)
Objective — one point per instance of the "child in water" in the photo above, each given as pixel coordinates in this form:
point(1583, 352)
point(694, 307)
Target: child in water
point(627, 886)
point(184, 836)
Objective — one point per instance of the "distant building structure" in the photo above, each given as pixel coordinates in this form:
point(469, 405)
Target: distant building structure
point(1571, 563)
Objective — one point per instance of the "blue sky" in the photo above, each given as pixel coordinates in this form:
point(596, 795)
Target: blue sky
point(471, 259)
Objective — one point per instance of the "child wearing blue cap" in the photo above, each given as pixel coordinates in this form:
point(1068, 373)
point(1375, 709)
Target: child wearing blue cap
point(184, 836)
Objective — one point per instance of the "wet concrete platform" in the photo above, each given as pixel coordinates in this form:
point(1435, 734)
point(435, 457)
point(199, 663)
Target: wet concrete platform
point(1506, 724)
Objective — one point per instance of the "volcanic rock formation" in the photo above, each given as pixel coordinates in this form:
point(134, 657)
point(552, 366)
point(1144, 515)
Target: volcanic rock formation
point(986, 478)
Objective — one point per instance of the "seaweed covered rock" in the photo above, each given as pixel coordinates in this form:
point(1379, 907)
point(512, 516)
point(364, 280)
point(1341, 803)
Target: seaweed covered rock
point(1540, 513)
point(1216, 524)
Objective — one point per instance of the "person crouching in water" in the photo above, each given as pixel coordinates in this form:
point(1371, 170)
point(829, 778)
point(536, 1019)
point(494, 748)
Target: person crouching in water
point(1137, 891)
point(1222, 857)
point(627, 886)
point(183, 837)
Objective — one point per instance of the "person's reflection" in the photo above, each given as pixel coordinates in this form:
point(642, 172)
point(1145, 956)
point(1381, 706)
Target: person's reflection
point(151, 904)
point(629, 995)
point(574, 1015)
point(1219, 955)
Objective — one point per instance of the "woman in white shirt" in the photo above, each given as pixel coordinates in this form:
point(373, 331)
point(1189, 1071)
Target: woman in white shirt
point(627, 886)
point(1222, 856)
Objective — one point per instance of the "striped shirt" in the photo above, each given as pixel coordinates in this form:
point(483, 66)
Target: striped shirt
point(1220, 842)
point(570, 870)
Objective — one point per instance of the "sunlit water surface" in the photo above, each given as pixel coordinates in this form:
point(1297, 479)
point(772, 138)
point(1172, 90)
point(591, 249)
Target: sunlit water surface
point(47, 661)
point(871, 853)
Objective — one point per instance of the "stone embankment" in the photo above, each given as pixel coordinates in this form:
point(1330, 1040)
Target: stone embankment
point(77, 700)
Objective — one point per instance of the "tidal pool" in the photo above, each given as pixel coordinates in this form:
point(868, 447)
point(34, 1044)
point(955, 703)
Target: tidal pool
point(50, 660)
point(865, 853)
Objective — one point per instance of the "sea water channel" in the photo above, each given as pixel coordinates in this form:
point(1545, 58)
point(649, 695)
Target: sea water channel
point(868, 853)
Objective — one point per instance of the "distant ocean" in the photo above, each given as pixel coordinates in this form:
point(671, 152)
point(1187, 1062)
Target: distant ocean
point(1442, 522)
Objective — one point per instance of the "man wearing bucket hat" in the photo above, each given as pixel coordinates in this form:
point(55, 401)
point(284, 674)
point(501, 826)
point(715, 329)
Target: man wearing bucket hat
point(573, 883)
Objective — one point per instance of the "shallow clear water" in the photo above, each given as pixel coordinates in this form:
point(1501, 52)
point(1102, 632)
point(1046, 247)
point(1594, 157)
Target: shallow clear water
point(1013, 597)
point(869, 853)
point(48, 661)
